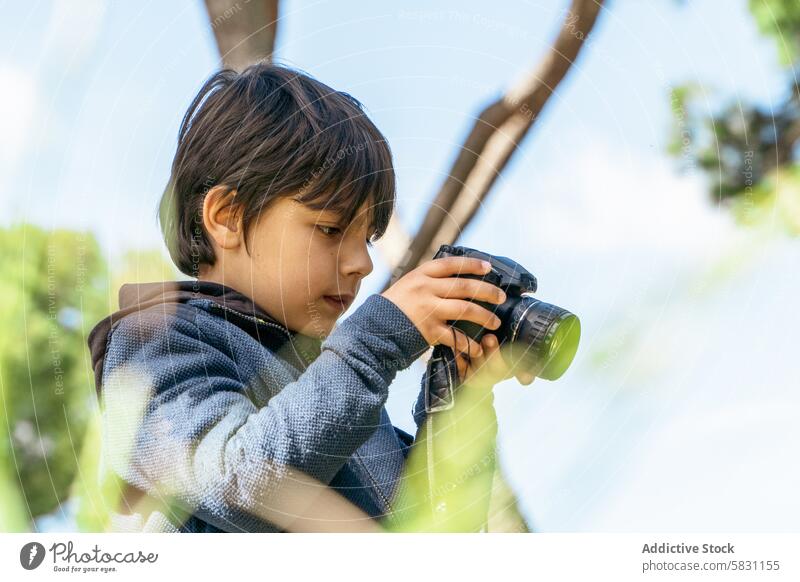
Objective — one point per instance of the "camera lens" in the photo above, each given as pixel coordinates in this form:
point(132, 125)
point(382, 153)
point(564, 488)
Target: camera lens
point(544, 337)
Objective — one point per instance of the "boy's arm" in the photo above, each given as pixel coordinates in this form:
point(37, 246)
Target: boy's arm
point(202, 440)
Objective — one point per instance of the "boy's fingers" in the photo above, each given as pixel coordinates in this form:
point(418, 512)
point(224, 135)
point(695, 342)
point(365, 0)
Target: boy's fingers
point(496, 364)
point(490, 348)
point(463, 366)
point(525, 378)
point(478, 364)
point(458, 341)
point(484, 367)
point(492, 364)
point(461, 309)
point(449, 266)
point(488, 363)
point(470, 347)
point(472, 289)
point(489, 341)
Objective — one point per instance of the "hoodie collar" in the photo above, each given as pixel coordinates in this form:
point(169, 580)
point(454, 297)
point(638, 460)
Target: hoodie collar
point(137, 296)
point(236, 307)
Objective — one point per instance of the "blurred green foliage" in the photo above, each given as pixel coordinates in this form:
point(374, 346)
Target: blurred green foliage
point(448, 480)
point(54, 290)
point(780, 20)
point(743, 146)
point(55, 286)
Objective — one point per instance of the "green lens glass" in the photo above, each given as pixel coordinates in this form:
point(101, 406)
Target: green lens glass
point(562, 344)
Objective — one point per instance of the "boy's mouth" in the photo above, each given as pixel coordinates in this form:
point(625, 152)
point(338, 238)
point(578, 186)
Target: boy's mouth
point(339, 302)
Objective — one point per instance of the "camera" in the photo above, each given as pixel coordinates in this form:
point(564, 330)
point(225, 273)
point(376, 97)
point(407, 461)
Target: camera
point(539, 338)
point(542, 338)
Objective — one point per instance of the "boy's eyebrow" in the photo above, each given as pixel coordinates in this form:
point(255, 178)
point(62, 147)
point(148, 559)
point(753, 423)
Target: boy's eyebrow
point(337, 217)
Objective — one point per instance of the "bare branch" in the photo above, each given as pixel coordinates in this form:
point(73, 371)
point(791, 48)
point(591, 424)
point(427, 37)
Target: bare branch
point(245, 30)
point(494, 139)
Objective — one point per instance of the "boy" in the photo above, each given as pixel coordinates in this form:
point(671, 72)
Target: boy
point(230, 402)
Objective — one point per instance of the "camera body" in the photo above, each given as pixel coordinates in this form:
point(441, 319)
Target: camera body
point(510, 276)
point(535, 337)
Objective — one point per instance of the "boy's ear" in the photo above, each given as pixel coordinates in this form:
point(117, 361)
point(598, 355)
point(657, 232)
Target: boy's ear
point(222, 217)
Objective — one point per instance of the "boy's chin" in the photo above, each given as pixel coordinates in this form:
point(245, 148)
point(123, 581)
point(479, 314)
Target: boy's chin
point(318, 328)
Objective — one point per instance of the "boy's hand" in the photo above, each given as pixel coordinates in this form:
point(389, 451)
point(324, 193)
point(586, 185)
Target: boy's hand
point(490, 368)
point(430, 297)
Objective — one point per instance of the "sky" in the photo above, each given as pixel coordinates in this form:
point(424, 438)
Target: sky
point(678, 410)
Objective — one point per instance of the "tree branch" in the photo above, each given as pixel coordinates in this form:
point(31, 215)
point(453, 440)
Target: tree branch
point(245, 30)
point(493, 140)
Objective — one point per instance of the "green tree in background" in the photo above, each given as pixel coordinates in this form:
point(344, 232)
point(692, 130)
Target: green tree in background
point(747, 150)
point(54, 289)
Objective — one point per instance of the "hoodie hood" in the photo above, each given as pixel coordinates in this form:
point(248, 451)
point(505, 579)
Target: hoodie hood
point(246, 314)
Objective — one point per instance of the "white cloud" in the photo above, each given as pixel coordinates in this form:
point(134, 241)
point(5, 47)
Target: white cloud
point(18, 103)
point(700, 464)
point(72, 32)
point(610, 199)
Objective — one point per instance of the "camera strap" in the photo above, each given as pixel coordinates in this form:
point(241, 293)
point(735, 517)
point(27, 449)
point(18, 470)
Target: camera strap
point(442, 379)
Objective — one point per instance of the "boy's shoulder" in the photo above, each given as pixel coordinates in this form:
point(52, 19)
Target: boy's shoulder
point(188, 319)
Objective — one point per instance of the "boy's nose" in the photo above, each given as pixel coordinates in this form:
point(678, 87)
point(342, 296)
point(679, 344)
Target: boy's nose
point(355, 260)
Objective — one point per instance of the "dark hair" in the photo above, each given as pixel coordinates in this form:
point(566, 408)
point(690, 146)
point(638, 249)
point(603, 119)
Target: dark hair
point(267, 132)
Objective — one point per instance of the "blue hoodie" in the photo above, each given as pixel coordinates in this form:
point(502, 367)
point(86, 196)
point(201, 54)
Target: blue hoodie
point(214, 415)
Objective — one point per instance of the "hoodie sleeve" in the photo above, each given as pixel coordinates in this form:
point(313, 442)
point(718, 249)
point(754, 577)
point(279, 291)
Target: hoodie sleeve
point(180, 425)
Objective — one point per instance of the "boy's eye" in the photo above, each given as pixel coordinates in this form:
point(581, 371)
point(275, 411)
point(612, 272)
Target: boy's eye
point(336, 231)
point(329, 230)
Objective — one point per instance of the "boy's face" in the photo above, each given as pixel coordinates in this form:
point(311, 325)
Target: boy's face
point(300, 261)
